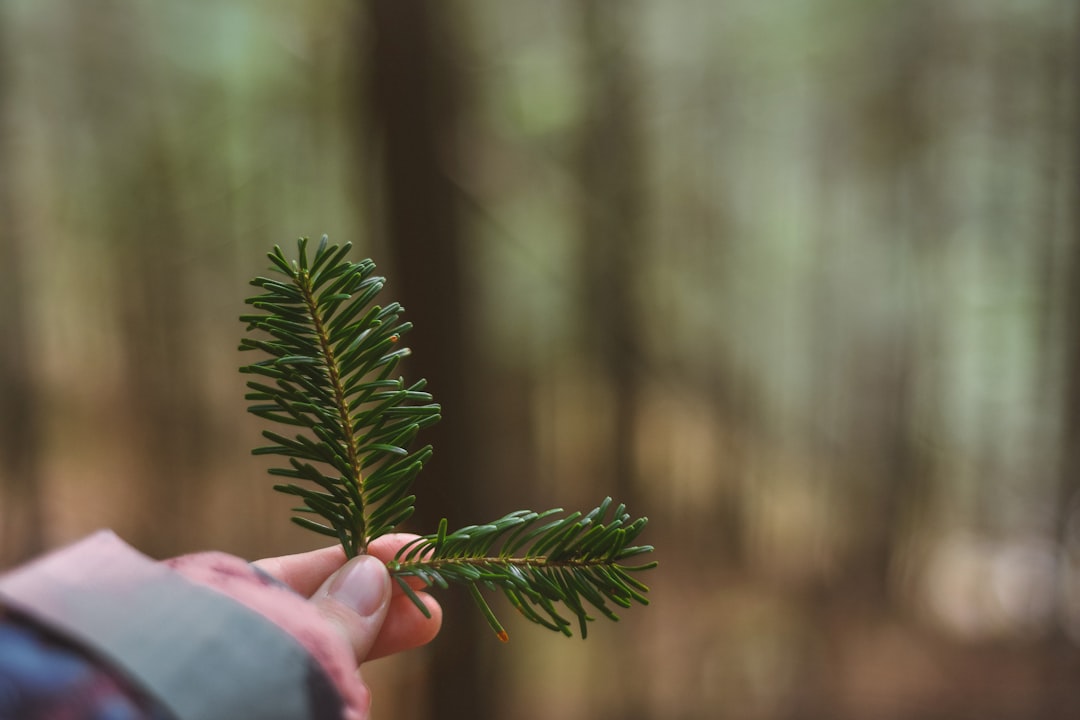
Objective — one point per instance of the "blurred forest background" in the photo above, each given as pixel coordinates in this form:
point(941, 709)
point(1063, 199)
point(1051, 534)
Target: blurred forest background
point(799, 280)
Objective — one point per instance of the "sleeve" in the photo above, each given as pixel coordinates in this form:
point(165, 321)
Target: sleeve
point(194, 651)
point(43, 678)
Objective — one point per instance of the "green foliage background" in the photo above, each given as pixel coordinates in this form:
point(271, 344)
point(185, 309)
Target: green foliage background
point(798, 280)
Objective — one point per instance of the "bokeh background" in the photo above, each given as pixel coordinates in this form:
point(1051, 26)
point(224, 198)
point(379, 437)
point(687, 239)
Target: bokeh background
point(798, 279)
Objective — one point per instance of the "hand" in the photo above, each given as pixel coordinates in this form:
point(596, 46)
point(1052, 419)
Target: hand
point(372, 613)
point(360, 601)
point(343, 613)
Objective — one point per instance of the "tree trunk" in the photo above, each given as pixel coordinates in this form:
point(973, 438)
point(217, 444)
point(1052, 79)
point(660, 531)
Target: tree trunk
point(413, 104)
point(21, 532)
point(169, 418)
point(612, 224)
point(612, 241)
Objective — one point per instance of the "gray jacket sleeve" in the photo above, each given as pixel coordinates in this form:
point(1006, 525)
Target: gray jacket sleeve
point(199, 653)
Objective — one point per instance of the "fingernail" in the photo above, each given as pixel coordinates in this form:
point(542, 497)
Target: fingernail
point(361, 585)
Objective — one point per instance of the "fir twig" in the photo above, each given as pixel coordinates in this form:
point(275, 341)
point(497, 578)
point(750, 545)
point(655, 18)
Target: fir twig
point(576, 560)
point(331, 354)
point(327, 376)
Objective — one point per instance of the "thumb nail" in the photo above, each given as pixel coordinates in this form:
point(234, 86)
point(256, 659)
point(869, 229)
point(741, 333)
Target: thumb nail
point(362, 584)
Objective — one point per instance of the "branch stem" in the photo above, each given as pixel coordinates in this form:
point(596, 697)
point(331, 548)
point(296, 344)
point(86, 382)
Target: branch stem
point(538, 561)
point(358, 541)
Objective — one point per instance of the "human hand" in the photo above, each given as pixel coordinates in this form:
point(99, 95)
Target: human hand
point(343, 613)
point(371, 612)
point(357, 598)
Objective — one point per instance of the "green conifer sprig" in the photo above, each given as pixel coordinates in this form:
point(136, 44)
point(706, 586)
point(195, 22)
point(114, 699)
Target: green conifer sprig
point(330, 354)
point(575, 560)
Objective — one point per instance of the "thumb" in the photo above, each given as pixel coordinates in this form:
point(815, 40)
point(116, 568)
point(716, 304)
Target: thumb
point(356, 599)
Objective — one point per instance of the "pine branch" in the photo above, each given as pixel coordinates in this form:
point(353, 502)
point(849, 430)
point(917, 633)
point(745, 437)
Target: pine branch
point(331, 353)
point(576, 560)
point(327, 376)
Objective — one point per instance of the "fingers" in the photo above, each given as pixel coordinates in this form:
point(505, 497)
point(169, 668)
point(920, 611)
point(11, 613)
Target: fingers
point(406, 627)
point(356, 599)
point(359, 598)
point(304, 572)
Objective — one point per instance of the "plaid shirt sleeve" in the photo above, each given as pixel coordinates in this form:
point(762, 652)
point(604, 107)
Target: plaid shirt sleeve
point(43, 677)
